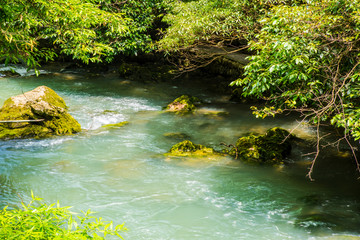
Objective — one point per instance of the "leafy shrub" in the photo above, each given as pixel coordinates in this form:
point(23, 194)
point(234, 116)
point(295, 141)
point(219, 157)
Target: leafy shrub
point(211, 22)
point(307, 60)
point(87, 30)
point(38, 220)
point(39, 30)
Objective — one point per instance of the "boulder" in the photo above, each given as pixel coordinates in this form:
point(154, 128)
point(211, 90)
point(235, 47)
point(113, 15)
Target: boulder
point(188, 149)
point(270, 148)
point(35, 114)
point(182, 105)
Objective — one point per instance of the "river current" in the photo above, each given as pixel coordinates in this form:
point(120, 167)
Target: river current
point(123, 176)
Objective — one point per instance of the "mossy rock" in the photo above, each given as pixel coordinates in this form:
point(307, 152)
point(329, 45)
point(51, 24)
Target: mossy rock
point(182, 105)
point(270, 148)
point(115, 125)
point(41, 104)
point(188, 149)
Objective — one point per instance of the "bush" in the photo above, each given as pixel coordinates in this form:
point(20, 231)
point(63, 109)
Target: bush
point(307, 60)
point(38, 220)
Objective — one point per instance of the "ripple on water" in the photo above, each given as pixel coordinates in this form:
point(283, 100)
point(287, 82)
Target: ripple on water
point(107, 110)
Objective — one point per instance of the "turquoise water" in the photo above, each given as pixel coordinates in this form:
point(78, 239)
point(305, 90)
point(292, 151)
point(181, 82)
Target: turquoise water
point(123, 175)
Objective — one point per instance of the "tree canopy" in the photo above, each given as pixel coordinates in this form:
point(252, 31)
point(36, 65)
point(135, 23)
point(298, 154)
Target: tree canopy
point(88, 30)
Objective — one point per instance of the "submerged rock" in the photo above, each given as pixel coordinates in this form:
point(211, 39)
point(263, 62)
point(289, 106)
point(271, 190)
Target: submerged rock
point(182, 105)
point(9, 73)
point(317, 213)
point(115, 125)
point(37, 113)
point(212, 113)
point(270, 148)
point(176, 135)
point(188, 149)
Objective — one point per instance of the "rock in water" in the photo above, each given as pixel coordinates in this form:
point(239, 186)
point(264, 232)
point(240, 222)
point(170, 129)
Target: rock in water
point(270, 148)
point(41, 104)
point(187, 148)
point(182, 105)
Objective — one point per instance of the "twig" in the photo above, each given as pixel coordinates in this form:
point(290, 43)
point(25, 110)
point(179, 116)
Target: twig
point(20, 121)
point(233, 147)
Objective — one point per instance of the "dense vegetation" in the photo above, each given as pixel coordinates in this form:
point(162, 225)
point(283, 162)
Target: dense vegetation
point(37, 220)
point(305, 53)
point(88, 30)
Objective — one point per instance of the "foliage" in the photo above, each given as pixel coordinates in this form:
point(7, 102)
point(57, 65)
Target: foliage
point(145, 17)
point(38, 220)
point(88, 30)
point(203, 21)
point(307, 59)
point(213, 22)
point(201, 31)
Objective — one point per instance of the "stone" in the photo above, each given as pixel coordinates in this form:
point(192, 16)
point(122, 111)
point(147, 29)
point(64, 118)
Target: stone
point(182, 105)
point(188, 149)
point(45, 111)
point(270, 148)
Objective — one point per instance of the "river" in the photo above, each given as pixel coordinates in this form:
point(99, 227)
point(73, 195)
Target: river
point(123, 176)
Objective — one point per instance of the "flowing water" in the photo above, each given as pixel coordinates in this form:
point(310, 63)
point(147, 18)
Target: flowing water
point(123, 175)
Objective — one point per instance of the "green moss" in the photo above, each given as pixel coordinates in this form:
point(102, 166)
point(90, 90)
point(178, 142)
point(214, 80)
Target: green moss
point(109, 112)
point(183, 104)
point(31, 131)
point(41, 103)
point(270, 148)
point(115, 125)
point(63, 125)
point(188, 149)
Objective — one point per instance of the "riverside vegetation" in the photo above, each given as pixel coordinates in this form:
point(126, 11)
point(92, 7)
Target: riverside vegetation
point(38, 220)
